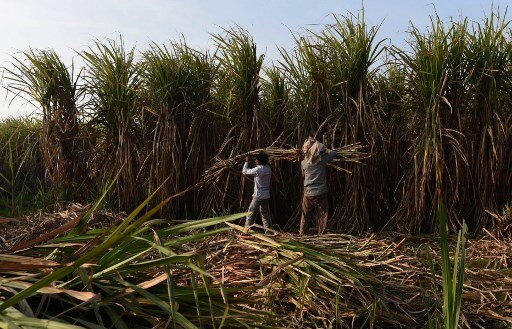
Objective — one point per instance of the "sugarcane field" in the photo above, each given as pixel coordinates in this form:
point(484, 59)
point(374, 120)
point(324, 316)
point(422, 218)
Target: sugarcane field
point(344, 181)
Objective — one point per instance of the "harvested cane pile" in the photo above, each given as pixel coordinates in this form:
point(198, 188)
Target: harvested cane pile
point(346, 281)
point(334, 280)
point(502, 224)
point(25, 232)
point(347, 153)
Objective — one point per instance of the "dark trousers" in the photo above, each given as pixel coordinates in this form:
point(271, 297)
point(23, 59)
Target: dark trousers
point(318, 206)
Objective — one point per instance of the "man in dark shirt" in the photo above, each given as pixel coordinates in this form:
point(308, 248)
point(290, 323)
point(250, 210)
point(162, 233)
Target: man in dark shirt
point(316, 157)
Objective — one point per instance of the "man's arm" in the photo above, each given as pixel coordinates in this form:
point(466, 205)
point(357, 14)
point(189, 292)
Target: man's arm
point(249, 171)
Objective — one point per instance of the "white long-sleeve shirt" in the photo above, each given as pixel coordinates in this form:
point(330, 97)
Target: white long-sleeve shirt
point(262, 176)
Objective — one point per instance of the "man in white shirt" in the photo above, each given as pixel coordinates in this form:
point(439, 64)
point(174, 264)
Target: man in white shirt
point(261, 195)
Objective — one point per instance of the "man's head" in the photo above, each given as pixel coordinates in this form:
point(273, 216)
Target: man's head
point(312, 149)
point(261, 159)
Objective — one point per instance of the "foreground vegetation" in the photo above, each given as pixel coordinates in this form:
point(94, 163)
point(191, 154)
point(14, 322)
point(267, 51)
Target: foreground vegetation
point(129, 271)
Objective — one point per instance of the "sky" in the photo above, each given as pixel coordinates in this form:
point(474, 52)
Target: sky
point(71, 26)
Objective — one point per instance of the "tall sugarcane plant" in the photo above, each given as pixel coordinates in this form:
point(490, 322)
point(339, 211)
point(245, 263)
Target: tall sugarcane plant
point(305, 71)
point(40, 77)
point(275, 102)
point(238, 84)
point(352, 52)
point(490, 59)
point(21, 170)
point(275, 111)
point(177, 91)
point(433, 69)
point(236, 93)
point(112, 79)
point(391, 99)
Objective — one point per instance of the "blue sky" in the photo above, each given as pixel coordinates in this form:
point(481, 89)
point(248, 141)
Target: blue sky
point(68, 26)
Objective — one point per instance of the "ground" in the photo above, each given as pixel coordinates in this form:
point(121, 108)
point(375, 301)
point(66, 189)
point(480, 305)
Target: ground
point(401, 269)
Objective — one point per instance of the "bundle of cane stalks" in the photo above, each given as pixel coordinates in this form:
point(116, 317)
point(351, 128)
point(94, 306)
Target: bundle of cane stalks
point(347, 153)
